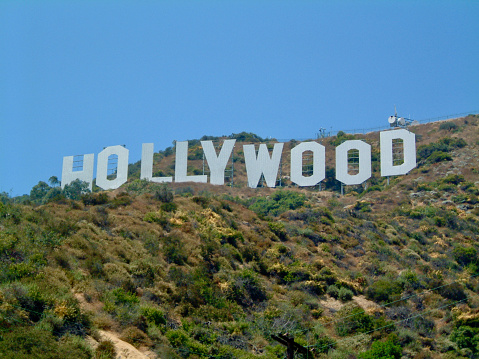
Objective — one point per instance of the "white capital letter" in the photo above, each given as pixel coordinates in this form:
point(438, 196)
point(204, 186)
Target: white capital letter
point(181, 165)
point(217, 164)
point(102, 167)
point(263, 164)
point(68, 175)
point(147, 150)
point(318, 164)
point(342, 162)
point(409, 151)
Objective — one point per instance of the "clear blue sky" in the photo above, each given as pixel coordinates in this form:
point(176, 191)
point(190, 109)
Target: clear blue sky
point(76, 76)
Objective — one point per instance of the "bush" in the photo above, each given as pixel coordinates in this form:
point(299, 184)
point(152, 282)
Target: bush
point(38, 343)
point(323, 343)
point(153, 315)
point(383, 289)
point(163, 194)
point(174, 250)
point(453, 178)
point(124, 297)
point(94, 199)
point(453, 291)
point(444, 145)
point(279, 202)
point(354, 320)
point(247, 289)
point(466, 337)
point(448, 126)
point(333, 291)
point(105, 350)
point(122, 199)
point(438, 156)
point(345, 294)
point(382, 350)
point(341, 137)
point(135, 336)
point(278, 229)
point(169, 207)
point(177, 338)
point(465, 256)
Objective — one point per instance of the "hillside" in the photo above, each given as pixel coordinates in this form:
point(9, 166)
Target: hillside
point(189, 270)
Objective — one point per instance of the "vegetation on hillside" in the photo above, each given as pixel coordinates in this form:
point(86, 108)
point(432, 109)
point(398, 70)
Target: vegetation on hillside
point(196, 271)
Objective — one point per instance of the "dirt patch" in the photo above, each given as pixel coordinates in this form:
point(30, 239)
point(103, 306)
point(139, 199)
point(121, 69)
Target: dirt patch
point(124, 350)
point(366, 304)
point(331, 305)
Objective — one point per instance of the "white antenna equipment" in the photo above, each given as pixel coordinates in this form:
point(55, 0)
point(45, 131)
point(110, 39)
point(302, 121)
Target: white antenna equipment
point(396, 121)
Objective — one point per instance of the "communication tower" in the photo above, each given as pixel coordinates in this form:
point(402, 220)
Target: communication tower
point(397, 121)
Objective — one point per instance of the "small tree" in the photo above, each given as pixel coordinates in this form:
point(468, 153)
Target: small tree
point(76, 189)
point(39, 191)
point(54, 181)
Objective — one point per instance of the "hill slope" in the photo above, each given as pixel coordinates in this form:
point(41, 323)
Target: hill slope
point(194, 270)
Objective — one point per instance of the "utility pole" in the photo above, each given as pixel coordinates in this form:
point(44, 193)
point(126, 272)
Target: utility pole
point(291, 345)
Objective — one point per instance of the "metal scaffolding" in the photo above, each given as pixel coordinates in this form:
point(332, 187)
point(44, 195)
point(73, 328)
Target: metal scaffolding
point(77, 163)
point(112, 167)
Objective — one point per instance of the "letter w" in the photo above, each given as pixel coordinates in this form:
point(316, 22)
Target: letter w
point(263, 164)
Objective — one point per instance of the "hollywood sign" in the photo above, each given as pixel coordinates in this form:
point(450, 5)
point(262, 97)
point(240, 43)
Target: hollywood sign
point(258, 163)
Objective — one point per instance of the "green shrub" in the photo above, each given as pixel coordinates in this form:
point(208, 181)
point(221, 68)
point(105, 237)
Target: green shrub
point(341, 137)
point(444, 145)
point(466, 337)
point(438, 156)
point(323, 343)
point(373, 188)
point(247, 289)
point(174, 250)
point(246, 137)
point(105, 350)
point(233, 238)
point(177, 338)
point(333, 291)
point(453, 178)
point(154, 217)
point(345, 294)
point(353, 320)
point(279, 202)
point(124, 297)
point(384, 290)
point(382, 350)
point(409, 279)
point(460, 198)
point(278, 229)
point(439, 221)
point(169, 207)
point(465, 255)
point(453, 291)
point(201, 200)
point(447, 187)
point(448, 126)
point(163, 194)
point(34, 342)
point(362, 206)
point(94, 199)
point(122, 199)
point(153, 315)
